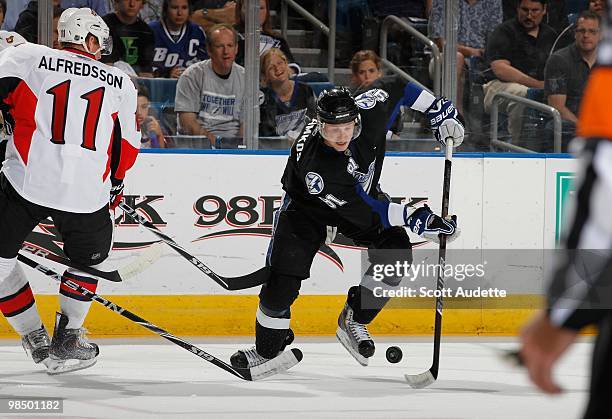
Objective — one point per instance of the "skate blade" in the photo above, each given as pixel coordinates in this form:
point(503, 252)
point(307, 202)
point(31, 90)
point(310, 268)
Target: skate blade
point(55, 367)
point(282, 362)
point(346, 342)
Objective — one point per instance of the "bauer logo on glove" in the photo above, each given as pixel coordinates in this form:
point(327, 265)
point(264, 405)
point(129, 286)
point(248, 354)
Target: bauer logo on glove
point(445, 121)
point(429, 225)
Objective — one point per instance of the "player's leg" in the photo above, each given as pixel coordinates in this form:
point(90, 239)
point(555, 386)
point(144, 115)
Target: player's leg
point(87, 241)
point(17, 219)
point(295, 242)
point(362, 306)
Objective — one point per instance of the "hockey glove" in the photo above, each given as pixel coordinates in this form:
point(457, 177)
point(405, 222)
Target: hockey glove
point(445, 121)
point(429, 225)
point(116, 193)
point(331, 234)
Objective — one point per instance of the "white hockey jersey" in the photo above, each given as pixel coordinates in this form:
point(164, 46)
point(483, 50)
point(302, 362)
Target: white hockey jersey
point(74, 126)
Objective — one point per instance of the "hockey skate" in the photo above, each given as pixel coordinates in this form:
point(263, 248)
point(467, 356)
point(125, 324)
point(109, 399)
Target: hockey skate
point(70, 350)
point(354, 336)
point(249, 358)
point(36, 344)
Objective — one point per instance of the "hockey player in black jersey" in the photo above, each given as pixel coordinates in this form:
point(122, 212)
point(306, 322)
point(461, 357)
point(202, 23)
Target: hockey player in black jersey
point(331, 179)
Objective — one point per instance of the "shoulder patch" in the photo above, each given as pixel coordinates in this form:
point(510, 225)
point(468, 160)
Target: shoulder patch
point(367, 100)
point(314, 183)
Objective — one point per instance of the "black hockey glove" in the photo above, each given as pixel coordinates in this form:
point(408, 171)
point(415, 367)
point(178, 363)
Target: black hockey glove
point(429, 225)
point(116, 193)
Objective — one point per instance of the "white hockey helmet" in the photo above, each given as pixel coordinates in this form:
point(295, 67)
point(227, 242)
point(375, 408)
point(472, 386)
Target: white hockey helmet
point(75, 24)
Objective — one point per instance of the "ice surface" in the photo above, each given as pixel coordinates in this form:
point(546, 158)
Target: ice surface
point(149, 378)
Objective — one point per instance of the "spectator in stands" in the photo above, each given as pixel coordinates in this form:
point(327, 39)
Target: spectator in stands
point(178, 42)
point(2, 11)
point(268, 38)
point(366, 67)
point(475, 21)
point(517, 51)
point(152, 135)
point(566, 37)
point(133, 39)
point(27, 24)
point(599, 7)
point(11, 13)
point(207, 13)
point(287, 103)
point(209, 93)
point(567, 71)
point(555, 17)
point(101, 7)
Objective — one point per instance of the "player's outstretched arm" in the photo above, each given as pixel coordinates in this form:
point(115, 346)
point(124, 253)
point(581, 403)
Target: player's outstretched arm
point(443, 117)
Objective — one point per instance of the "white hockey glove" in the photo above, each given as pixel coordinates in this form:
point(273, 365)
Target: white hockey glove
point(331, 234)
point(445, 121)
point(429, 225)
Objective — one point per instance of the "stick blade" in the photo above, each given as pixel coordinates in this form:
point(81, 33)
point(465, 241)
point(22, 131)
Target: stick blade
point(281, 363)
point(250, 280)
point(145, 259)
point(422, 380)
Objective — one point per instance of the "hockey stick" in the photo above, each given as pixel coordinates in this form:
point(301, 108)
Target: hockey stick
point(428, 377)
point(236, 283)
point(283, 362)
point(142, 261)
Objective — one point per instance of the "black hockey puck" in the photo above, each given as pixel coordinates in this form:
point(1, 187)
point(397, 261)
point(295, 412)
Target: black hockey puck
point(394, 354)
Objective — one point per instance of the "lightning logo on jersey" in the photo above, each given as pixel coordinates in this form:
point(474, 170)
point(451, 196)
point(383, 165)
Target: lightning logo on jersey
point(368, 100)
point(314, 183)
point(364, 179)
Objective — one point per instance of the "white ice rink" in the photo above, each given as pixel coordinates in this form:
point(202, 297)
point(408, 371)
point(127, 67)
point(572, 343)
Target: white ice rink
point(148, 378)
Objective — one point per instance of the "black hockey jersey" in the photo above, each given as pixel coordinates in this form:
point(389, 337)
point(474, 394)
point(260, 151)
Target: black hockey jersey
point(334, 187)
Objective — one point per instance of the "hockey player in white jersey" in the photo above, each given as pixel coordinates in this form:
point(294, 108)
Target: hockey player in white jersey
point(74, 137)
point(7, 39)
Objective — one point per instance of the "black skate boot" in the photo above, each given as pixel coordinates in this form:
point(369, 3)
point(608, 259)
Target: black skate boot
point(70, 350)
point(354, 336)
point(249, 358)
point(36, 344)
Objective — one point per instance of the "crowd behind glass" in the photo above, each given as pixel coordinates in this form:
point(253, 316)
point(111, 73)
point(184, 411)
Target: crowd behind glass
point(186, 58)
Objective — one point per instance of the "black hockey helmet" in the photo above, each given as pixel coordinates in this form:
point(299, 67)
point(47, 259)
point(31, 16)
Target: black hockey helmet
point(337, 106)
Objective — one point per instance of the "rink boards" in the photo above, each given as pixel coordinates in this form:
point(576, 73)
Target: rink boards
point(220, 205)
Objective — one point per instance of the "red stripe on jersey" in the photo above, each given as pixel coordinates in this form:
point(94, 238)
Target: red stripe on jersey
point(110, 149)
point(18, 301)
point(23, 107)
point(87, 283)
point(79, 52)
point(127, 158)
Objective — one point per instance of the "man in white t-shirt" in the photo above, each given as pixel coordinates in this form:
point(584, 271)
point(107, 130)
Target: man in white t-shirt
point(74, 137)
point(209, 93)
